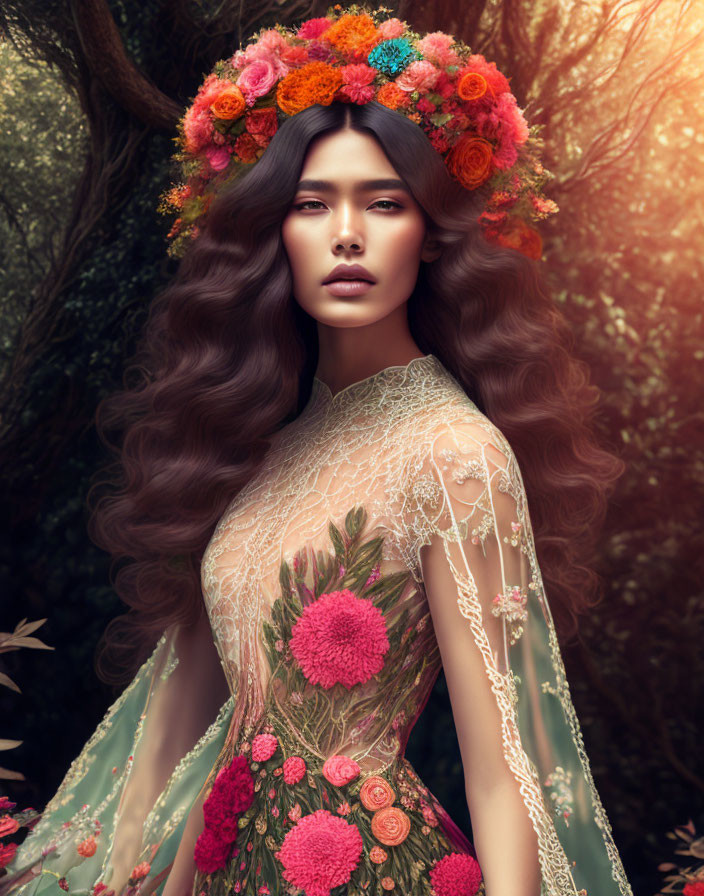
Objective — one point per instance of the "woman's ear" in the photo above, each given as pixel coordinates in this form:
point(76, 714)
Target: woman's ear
point(431, 249)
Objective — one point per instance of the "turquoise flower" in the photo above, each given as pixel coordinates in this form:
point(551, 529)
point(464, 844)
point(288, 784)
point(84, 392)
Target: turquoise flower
point(392, 56)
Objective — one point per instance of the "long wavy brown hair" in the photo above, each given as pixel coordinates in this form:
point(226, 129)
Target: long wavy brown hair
point(227, 358)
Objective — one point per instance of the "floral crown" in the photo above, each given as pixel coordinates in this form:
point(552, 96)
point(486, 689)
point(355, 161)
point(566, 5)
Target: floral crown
point(462, 102)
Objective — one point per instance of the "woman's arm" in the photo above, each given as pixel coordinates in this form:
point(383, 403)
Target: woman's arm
point(504, 838)
point(180, 712)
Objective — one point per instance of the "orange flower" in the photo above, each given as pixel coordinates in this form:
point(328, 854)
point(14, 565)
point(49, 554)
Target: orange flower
point(229, 104)
point(471, 86)
point(388, 883)
point(390, 826)
point(519, 236)
point(391, 96)
point(353, 36)
point(469, 160)
point(316, 82)
point(378, 855)
point(376, 793)
point(87, 847)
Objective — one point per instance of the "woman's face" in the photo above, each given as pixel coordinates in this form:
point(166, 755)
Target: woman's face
point(351, 207)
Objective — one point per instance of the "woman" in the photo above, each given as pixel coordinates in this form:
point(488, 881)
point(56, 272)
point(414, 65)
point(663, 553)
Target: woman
point(323, 509)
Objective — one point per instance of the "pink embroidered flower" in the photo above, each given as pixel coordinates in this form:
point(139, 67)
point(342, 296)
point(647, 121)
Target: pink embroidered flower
point(210, 852)
point(420, 75)
point(63, 883)
point(99, 888)
point(6, 804)
point(320, 853)
point(390, 29)
point(435, 48)
point(295, 813)
point(340, 770)
point(357, 82)
point(313, 28)
point(344, 809)
point(231, 794)
point(257, 79)
point(430, 816)
point(294, 769)
point(457, 874)
point(263, 747)
point(340, 638)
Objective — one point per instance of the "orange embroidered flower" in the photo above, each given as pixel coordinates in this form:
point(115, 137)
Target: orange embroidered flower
point(391, 96)
point(388, 883)
point(390, 826)
point(87, 847)
point(229, 104)
point(471, 86)
point(316, 82)
point(353, 36)
point(378, 855)
point(469, 160)
point(376, 793)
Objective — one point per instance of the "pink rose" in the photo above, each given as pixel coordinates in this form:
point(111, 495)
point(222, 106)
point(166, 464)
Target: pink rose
point(218, 156)
point(340, 770)
point(257, 79)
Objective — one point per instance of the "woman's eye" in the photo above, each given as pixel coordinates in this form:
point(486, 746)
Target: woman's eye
point(388, 203)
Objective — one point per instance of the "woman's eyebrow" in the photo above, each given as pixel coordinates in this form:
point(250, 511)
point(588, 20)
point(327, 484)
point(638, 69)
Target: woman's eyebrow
point(384, 183)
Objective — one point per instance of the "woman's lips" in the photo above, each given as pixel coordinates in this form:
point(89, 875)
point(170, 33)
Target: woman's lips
point(348, 287)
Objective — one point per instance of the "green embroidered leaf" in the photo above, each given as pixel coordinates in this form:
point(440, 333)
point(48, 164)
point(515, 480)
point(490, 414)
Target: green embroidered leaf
point(285, 577)
point(337, 541)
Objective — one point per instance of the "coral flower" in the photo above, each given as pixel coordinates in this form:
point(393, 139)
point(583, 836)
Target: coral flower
point(388, 883)
point(340, 638)
point(378, 855)
point(390, 826)
point(340, 770)
point(457, 874)
point(376, 793)
point(140, 871)
point(471, 86)
point(392, 96)
point(320, 853)
point(8, 825)
point(263, 747)
point(87, 847)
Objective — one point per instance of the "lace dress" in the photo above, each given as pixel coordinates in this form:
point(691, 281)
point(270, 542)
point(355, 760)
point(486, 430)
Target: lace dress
point(317, 581)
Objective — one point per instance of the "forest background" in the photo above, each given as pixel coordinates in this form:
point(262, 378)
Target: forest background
point(90, 92)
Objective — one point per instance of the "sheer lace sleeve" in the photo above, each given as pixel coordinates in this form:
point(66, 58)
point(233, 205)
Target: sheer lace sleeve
point(477, 558)
point(121, 810)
